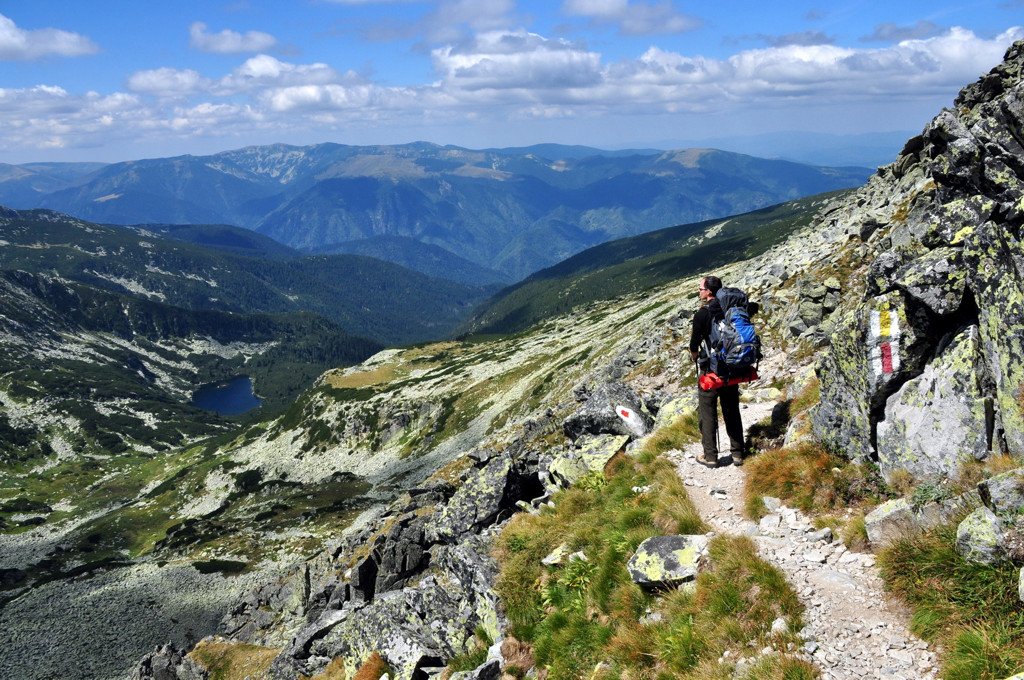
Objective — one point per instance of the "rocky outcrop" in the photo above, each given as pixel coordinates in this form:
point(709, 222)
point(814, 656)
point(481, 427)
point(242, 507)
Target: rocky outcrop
point(169, 663)
point(413, 583)
point(926, 363)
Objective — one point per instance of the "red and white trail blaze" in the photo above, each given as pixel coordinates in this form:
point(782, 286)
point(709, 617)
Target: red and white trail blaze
point(885, 335)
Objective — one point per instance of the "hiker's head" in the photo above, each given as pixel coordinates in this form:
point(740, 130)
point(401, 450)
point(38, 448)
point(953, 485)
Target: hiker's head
point(709, 285)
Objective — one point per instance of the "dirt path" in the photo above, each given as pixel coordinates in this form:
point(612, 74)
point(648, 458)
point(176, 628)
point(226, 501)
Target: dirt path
point(852, 631)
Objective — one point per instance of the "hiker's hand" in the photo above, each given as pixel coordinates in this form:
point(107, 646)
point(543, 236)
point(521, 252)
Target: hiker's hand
point(693, 355)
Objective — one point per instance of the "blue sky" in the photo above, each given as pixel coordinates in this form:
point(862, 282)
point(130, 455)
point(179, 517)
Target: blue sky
point(111, 80)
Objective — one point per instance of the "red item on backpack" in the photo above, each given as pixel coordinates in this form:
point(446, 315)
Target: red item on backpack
point(712, 381)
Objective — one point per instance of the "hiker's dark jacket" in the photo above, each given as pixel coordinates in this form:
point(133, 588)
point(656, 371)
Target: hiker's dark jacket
point(702, 322)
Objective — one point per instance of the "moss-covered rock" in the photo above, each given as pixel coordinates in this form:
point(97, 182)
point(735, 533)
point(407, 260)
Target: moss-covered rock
point(592, 456)
point(979, 537)
point(667, 561)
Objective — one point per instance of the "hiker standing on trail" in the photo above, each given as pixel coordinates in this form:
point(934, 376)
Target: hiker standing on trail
point(707, 400)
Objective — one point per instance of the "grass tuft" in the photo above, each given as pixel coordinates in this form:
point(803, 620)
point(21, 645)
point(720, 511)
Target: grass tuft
point(676, 435)
point(225, 660)
point(809, 478)
point(971, 610)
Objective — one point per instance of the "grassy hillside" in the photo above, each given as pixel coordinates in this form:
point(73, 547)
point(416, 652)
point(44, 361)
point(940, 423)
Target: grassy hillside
point(226, 269)
point(640, 263)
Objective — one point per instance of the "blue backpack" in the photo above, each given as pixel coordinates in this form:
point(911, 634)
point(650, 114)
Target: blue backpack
point(735, 346)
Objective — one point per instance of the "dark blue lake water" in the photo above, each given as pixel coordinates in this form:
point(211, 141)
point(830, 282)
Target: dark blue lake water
point(228, 398)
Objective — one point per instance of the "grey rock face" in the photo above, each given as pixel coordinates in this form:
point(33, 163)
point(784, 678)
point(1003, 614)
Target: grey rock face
point(1004, 494)
point(939, 419)
point(168, 663)
point(936, 279)
point(477, 502)
point(412, 628)
point(598, 412)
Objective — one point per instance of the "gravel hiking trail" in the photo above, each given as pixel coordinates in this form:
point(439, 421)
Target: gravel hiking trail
point(852, 630)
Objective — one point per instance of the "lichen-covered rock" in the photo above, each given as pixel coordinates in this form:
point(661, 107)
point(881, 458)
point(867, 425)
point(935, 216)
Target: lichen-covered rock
point(938, 420)
point(417, 627)
point(1004, 494)
point(895, 518)
point(947, 255)
point(673, 409)
point(936, 279)
point(168, 663)
point(889, 521)
point(599, 411)
point(476, 503)
point(592, 455)
point(979, 537)
point(667, 561)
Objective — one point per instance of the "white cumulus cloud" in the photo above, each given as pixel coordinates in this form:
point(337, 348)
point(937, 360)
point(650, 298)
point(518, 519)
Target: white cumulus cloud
point(517, 60)
point(263, 71)
point(228, 41)
point(166, 82)
point(17, 44)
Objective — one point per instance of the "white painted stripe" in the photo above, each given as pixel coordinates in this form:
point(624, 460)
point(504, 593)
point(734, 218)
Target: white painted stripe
point(874, 350)
point(894, 333)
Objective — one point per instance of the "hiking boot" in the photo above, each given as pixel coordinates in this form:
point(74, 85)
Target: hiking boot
point(707, 462)
point(737, 459)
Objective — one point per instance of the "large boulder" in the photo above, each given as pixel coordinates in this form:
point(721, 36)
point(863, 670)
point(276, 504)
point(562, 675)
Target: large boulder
point(477, 503)
point(875, 348)
point(607, 408)
point(939, 419)
point(667, 561)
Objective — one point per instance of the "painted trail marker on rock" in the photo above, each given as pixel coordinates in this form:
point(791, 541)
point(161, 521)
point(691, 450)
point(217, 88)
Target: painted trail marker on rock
point(884, 343)
point(632, 419)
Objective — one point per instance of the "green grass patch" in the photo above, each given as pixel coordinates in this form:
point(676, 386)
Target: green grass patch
point(584, 612)
point(677, 434)
point(971, 610)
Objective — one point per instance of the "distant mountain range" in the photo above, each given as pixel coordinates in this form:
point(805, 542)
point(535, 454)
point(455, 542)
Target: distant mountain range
point(640, 263)
point(510, 211)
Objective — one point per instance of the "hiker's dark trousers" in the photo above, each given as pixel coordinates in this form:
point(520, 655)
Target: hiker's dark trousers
point(707, 401)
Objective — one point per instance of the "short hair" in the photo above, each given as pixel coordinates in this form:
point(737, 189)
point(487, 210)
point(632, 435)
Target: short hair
point(713, 284)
